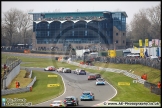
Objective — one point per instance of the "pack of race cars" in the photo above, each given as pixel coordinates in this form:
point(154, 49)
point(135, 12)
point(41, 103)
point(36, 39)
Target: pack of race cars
point(86, 95)
point(97, 77)
point(72, 100)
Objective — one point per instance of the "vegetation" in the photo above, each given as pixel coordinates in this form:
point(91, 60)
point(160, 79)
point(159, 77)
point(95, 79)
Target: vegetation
point(135, 92)
point(40, 91)
point(20, 77)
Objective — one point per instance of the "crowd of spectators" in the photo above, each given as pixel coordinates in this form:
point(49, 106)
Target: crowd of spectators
point(125, 60)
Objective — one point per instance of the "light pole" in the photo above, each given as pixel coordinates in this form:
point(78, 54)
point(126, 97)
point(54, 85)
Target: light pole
point(99, 48)
point(114, 45)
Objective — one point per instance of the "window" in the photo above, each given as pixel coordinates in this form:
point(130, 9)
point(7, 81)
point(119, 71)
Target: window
point(73, 33)
point(123, 34)
point(116, 34)
point(85, 33)
point(123, 41)
point(116, 41)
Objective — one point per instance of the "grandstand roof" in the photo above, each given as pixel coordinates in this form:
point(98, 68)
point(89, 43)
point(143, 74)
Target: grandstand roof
point(78, 12)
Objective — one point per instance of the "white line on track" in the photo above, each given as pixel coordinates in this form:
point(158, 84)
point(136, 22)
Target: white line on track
point(111, 97)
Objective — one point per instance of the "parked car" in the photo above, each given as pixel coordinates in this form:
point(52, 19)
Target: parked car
point(58, 103)
point(67, 70)
point(92, 77)
point(71, 100)
point(50, 68)
point(100, 81)
point(87, 95)
point(98, 76)
point(81, 72)
point(153, 58)
point(60, 69)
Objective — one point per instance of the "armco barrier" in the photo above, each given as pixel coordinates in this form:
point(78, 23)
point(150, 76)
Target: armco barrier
point(138, 78)
point(15, 90)
point(32, 83)
point(156, 90)
point(30, 74)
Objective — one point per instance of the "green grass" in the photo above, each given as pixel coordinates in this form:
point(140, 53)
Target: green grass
point(40, 91)
point(135, 92)
point(154, 75)
point(20, 77)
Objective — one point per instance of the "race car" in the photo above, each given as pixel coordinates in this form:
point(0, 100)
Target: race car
point(87, 95)
point(76, 71)
point(81, 72)
point(98, 76)
point(60, 69)
point(58, 103)
point(92, 77)
point(67, 70)
point(50, 68)
point(100, 81)
point(71, 100)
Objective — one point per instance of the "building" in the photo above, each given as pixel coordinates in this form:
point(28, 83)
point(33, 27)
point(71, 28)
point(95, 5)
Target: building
point(99, 30)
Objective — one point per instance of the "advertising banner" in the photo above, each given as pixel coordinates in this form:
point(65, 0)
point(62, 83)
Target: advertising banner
point(146, 42)
point(153, 42)
point(140, 42)
point(150, 43)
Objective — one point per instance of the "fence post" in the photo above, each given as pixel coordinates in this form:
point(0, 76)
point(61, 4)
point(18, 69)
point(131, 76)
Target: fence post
point(151, 88)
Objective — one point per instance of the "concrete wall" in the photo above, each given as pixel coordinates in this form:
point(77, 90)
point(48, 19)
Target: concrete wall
point(9, 77)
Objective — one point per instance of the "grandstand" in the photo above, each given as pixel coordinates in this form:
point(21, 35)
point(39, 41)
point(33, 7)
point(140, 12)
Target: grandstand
point(103, 29)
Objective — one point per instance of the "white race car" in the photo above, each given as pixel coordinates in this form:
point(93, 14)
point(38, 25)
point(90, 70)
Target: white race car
point(100, 81)
point(58, 103)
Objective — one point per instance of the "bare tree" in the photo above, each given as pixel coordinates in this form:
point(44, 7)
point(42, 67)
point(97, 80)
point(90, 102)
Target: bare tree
point(154, 16)
point(24, 24)
point(9, 24)
point(15, 25)
point(140, 25)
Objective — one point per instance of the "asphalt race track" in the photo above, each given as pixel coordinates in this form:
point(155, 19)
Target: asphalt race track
point(76, 84)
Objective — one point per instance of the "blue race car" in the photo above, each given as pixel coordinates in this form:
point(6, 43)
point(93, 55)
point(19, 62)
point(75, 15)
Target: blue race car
point(87, 95)
point(81, 72)
point(100, 81)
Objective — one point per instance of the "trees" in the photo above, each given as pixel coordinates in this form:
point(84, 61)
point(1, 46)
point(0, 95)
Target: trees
point(146, 24)
point(154, 16)
point(9, 25)
point(15, 25)
point(139, 26)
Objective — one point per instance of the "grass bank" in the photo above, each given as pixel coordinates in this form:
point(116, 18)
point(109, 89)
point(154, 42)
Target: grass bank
point(40, 91)
point(135, 92)
point(20, 77)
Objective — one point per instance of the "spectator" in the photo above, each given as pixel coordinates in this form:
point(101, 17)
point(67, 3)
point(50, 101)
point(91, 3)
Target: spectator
point(159, 84)
point(5, 66)
point(16, 84)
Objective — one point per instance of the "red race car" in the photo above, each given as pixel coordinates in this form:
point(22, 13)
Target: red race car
point(50, 68)
point(92, 77)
